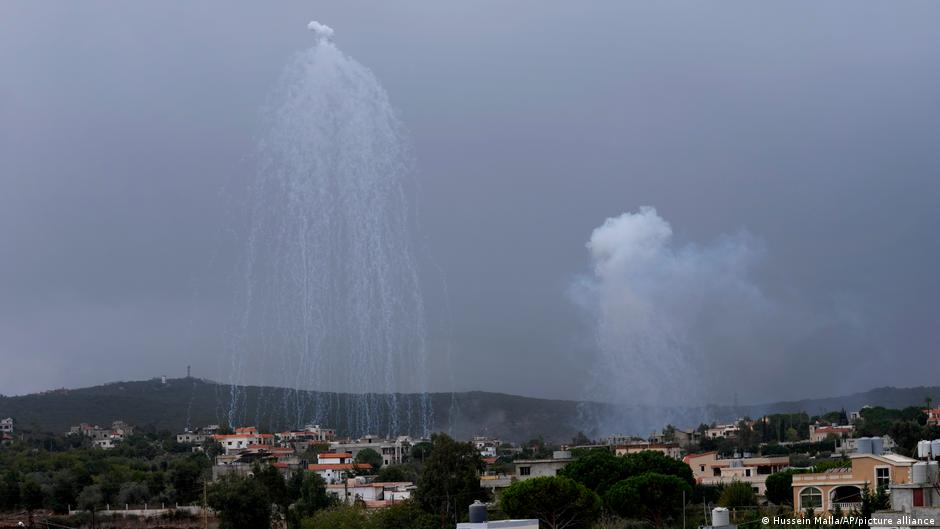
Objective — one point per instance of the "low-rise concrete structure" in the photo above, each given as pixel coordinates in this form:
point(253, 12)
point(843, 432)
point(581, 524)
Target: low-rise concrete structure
point(534, 468)
point(669, 449)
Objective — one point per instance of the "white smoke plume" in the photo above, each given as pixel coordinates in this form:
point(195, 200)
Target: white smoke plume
point(656, 302)
point(322, 31)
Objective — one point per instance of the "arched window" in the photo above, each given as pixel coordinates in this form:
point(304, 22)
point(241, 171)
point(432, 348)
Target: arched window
point(810, 498)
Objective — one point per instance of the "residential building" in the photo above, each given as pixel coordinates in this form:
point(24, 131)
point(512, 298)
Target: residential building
point(842, 487)
point(669, 449)
point(312, 433)
point(686, 438)
point(933, 416)
point(6, 426)
point(710, 469)
point(374, 494)
point(106, 443)
point(819, 433)
point(393, 451)
point(487, 446)
point(918, 499)
point(620, 439)
point(334, 467)
point(103, 437)
point(534, 468)
point(850, 445)
point(722, 431)
point(242, 439)
point(192, 438)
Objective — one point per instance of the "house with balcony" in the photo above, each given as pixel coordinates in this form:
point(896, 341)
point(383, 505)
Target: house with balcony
point(242, 439)
point(710, 469)
point(842, 487)
point(393, 451)
point(334, 467)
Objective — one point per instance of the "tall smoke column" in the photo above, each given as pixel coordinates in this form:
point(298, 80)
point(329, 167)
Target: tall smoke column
point(329, 297)
point(653, 302)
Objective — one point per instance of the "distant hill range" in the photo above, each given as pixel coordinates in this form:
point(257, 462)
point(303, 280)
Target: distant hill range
point(178, 403)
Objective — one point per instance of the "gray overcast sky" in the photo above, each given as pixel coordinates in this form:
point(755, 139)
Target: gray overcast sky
point(811, 126)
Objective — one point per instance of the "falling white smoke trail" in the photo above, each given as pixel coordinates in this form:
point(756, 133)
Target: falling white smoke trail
point(651, 300)
point(331, 293)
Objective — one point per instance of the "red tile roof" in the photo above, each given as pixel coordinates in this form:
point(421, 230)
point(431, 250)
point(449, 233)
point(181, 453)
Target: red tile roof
point(334, 455)
point(340, 466)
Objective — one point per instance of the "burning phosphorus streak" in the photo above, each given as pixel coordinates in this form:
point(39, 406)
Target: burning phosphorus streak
point(331, 298)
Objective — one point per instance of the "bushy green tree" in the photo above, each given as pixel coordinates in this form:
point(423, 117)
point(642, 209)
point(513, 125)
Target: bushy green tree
point(9, 491)
point(653, 497)
point(396, 473)
point(596, 470)
point(737, 494)
point(404, 515)
point(313, 496)
point(31, 498)
point(274, 484)
point(241, 503)
point(450, 478)
point(780, 487)
point(599, 469)
point(368, 456)
point(339, 517)
point(557, 502)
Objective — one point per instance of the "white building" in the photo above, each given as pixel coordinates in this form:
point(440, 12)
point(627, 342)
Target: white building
point(486, 446)
point(536, 468)
point(105, 444)
point(191, 438)
point(373, 494)
point(242, 439)
point(6, 425)
point(722, 431)
point(334, 467)
point(393, 451)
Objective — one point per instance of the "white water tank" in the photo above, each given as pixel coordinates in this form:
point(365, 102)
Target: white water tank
point(720, 517)
point(933, 471)
point(919, 473)
point(877, 446)
point(863, 445)
point(935, 448)
point(923, 449)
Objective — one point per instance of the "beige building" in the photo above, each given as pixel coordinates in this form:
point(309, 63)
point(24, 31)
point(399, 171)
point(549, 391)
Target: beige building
point(818, 434)
point(670, 449)
point(709, 469)
point(722, 431)
point(842, 487)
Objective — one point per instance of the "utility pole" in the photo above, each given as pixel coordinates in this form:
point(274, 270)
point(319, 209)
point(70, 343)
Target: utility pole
point(205, 504)
point(683, 508)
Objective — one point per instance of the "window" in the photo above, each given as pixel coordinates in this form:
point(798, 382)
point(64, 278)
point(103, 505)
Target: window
point(525, 471)
point(882, 477)
point(716, 471)
point(747, 472)
point(810, 498)
point(702, 468)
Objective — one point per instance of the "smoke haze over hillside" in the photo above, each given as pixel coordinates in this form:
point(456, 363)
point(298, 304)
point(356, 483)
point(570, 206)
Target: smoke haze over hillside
point(789, 150)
